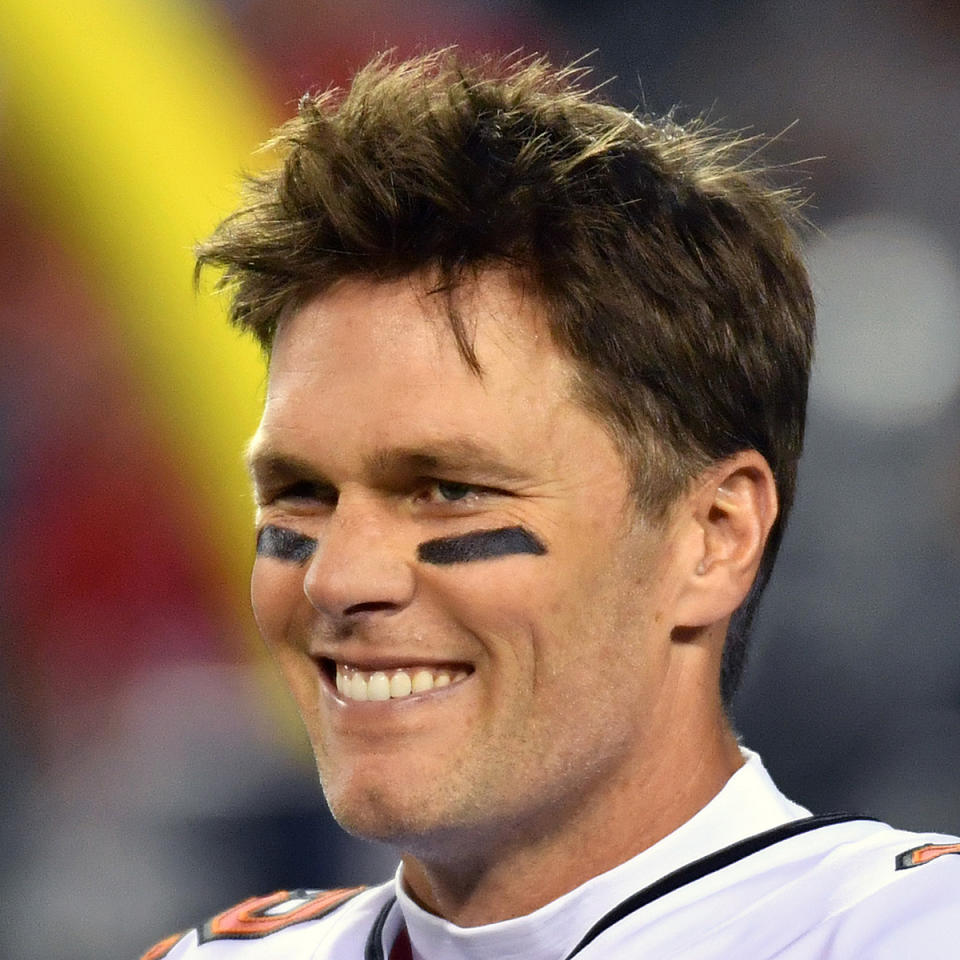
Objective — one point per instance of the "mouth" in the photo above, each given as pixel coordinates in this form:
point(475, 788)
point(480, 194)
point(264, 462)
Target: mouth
point(396, 683)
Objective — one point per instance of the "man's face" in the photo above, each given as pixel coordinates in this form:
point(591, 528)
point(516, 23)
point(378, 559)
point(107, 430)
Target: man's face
point(522, 667)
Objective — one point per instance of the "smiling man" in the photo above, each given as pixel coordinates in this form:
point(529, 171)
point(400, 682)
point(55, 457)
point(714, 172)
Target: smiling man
point(538, 370)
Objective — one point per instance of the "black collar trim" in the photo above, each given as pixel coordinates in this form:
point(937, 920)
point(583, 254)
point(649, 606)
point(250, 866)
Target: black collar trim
point(374, 947)
point(706, 865)
point(659, 888)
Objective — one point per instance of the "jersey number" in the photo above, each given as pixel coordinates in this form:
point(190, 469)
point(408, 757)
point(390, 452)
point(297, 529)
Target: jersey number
point(261, 916)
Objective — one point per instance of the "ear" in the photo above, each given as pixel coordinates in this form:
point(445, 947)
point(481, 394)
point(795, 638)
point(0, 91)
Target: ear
point(730, 511)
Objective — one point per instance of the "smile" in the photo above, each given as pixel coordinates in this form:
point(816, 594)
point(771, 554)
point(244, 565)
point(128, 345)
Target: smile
point(356, 684)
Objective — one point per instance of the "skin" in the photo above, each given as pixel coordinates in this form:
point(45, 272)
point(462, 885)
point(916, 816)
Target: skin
point(589, 725)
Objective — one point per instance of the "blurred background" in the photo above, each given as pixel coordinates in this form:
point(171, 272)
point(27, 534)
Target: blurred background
point(152, 770)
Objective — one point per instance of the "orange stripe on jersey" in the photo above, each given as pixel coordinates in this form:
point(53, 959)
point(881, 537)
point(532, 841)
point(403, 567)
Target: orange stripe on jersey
point(918, 856)
point(261, 916)
point(161, 949)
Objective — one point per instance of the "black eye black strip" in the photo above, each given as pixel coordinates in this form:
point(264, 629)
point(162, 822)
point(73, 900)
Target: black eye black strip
point(283, 544)
point(480, 545)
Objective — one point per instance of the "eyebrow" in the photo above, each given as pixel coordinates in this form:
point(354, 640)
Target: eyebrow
point(268, 466)
point(456, 454)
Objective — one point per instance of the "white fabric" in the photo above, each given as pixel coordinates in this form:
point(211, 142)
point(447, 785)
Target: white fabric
point(830, 894)
point(749, 803)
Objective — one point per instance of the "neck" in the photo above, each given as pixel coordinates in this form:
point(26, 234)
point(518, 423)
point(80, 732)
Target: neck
point(520, 870)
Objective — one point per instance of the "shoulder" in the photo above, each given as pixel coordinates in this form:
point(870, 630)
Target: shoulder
point(896, 894)
point(864, 890)
point(292, 924)
point(843, 890)
point(884, 862)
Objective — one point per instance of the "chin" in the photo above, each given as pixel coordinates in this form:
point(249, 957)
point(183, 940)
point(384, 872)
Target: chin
point(411, 822)
point(375, 812)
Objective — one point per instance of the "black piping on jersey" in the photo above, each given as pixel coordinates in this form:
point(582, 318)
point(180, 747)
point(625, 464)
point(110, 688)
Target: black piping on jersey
point(684, 875)
point(374, 948)
point(706, 865)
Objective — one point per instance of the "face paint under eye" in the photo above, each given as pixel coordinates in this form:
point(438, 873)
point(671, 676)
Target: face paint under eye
point(283, 544)
point(480, 545)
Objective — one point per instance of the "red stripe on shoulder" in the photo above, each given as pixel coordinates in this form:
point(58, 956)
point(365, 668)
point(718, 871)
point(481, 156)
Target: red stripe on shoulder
point(918, 856)
point(159, 950)
point(260, 916)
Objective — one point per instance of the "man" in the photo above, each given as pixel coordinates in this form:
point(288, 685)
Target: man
point(538, 371)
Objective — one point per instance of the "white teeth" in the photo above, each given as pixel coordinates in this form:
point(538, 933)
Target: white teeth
point(378, 687)
point(422, 680)
point(354, 684)
point(355, 687)
point(400, 685)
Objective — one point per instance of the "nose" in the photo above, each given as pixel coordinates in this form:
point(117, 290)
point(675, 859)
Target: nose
point(360, 565)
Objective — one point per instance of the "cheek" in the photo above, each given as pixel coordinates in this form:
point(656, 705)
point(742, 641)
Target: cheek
point(276, 591)
point(480, 590)
point(276, 594)
point(516, 607)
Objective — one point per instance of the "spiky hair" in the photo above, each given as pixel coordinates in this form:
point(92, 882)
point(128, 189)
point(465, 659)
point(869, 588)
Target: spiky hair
point(666, 264)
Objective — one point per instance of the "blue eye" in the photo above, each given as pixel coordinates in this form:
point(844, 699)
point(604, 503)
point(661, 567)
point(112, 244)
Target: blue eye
point(451, 491)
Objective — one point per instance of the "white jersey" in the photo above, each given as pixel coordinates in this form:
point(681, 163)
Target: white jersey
point(751, 876)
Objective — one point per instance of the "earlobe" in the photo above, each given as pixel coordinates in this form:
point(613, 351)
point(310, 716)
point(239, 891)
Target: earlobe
point(732, 508)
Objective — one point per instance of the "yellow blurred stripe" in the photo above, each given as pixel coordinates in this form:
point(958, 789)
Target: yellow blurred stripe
point(128, 122)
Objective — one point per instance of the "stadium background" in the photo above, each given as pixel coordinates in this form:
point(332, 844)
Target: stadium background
point(153, 771)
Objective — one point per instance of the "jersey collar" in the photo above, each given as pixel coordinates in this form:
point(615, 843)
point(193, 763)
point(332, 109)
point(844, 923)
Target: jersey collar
point(747, 804)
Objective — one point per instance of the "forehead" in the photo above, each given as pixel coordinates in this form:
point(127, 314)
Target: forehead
point(369, 375)
point(397, 335)
point(411, 308)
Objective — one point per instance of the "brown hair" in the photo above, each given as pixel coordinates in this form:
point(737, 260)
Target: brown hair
point(668, 267)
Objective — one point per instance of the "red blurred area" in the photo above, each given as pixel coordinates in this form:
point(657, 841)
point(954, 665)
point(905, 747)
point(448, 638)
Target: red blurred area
point(300, 45)
point(107, 568)
point(110, 568)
